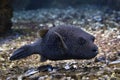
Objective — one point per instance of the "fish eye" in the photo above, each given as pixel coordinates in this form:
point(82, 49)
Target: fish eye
point(81, 41)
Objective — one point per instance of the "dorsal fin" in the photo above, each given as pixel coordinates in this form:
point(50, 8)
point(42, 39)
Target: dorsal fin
point(42, 32)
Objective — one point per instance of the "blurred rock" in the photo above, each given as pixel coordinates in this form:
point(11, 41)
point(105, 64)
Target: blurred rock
point(30, 72)
point(5, 16)
point(100, 58)
point(112, 56)
point(97, 18)
point(67, 67)
point(48, 68)
point(115, 63)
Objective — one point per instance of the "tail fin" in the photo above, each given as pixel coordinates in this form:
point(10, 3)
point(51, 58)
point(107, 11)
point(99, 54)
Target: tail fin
point(22, 52)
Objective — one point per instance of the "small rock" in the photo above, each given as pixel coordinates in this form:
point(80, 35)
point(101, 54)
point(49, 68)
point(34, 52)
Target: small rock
point(100, 58)
point(49, 25)
point(75, 66)
point(67, 67)
point(112, 56)
point(118, 36)
point(20, 77)
point(114, 62)
point(30, 72)
point(117, 70)
point(45, 68)
point(97, 18)
point(42, 77)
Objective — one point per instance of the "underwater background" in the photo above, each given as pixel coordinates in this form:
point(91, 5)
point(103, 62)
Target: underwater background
point(100, 18)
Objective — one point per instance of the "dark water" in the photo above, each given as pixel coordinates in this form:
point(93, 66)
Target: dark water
point(36, 4)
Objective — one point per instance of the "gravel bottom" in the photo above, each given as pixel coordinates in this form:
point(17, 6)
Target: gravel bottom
point(102, 22)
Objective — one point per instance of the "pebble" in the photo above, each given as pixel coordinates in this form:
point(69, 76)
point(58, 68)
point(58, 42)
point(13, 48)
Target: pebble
point(30, 72)
point(75, 66)
point(67, 67)
point(97, 18)
point(114, 62)
point(118, 36)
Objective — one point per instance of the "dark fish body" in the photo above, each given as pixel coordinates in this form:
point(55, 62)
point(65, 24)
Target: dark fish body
point(60, 43)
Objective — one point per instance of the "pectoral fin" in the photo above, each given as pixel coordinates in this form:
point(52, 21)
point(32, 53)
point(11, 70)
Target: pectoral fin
point(64, 46)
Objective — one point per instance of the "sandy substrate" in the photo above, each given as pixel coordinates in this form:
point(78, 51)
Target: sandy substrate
point(102, 22)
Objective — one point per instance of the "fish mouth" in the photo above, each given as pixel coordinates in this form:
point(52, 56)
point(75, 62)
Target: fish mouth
point(94, 55)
